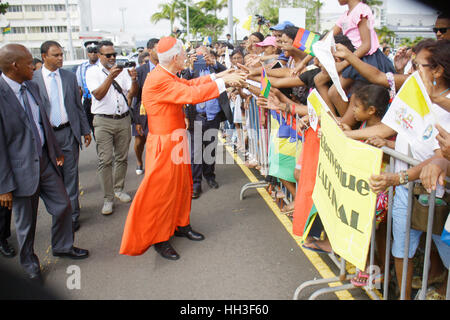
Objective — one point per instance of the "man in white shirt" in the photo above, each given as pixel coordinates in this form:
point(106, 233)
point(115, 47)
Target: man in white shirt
point(112, 88)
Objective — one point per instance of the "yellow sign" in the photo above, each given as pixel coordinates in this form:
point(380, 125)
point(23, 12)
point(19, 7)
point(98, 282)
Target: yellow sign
point(342, 195)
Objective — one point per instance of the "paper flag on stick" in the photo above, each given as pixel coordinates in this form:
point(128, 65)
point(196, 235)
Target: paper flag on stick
point(265, 84)
point(322, 50)
point(305, 40)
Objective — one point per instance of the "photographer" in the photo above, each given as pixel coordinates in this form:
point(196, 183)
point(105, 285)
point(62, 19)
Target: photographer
point(112, 88)
point(261, 20)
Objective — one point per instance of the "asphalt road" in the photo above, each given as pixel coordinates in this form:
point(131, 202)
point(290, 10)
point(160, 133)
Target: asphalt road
point(247, 253)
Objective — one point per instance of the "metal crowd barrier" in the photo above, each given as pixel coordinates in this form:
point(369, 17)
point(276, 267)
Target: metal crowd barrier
point(370, 287)
point(259, 137)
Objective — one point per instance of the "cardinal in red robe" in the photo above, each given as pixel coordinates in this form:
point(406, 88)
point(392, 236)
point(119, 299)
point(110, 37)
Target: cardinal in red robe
point(162, 204)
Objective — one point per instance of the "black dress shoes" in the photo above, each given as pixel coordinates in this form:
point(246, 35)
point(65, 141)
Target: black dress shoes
point(189, 233)
point(36, 278)
point(166, 250)
point(74, 253)
point(6, 250)
point(212, 183)
point(196, 193)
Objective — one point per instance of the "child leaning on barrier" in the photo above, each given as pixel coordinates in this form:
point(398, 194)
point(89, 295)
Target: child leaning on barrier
point(370, 105)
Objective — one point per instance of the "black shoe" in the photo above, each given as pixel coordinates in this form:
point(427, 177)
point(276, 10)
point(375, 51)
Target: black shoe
point(35, 278)
point(76, 225)
point(196, 194)
point(189, 233)
point(6, 250)
point(166, 250)
point(212, 183)
point(74, 253)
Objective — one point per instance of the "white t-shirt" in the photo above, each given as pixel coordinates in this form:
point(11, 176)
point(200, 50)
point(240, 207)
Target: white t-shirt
point(113, 102)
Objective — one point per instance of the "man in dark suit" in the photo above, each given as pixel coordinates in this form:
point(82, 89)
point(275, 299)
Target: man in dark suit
point(59, 91)
point(140, 127)
point(205, 117)
point(29, 162)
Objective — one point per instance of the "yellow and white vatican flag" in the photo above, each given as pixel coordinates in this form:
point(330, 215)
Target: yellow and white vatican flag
point(315, 105)
point(248, 23)
point(411, 113)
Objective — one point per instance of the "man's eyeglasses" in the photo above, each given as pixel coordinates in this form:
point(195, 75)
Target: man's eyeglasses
point(92, 50)
point(441, 30)
point(109, 55)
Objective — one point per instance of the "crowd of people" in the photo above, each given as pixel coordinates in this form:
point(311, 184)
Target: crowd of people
point(209, 89)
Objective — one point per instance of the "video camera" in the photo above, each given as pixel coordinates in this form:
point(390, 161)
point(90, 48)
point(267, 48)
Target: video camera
point(261, 20)
point(125, 64)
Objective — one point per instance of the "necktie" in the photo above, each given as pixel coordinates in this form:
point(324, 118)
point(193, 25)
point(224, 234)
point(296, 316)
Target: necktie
point(37, 137)
point(55, 113)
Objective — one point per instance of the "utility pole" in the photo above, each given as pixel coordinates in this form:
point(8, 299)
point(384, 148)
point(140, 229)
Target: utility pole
point(123, 18)
point(230, 20)
point(187, 22)
point(69, 31)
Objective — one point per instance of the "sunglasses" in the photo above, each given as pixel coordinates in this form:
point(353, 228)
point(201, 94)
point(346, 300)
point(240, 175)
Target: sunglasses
point(441, 30)
point(109, 55)
point(92, 50)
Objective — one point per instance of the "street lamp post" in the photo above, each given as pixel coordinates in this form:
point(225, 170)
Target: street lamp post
point(69, 29)
point(230, 20)
point(187, 22)
point(123, 18)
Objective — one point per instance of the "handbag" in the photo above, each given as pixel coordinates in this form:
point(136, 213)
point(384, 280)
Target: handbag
point(419, 214)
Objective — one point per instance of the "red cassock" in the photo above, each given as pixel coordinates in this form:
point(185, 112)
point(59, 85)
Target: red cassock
point(163, 200)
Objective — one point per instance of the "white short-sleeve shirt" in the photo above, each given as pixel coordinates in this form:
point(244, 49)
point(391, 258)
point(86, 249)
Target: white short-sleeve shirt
point(113, 102)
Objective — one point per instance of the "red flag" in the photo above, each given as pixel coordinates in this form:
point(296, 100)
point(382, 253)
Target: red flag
point(309, 159)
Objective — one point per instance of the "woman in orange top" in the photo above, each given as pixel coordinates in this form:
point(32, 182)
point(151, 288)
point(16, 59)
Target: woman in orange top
point(162, 205)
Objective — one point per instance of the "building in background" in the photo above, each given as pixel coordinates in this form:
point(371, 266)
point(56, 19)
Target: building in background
point(36, 21)
point(407, 18)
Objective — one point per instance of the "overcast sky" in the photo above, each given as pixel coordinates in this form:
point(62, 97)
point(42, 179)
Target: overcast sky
point(107, 16)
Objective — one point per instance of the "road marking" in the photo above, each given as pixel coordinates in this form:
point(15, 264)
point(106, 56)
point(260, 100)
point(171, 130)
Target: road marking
point(320, 265)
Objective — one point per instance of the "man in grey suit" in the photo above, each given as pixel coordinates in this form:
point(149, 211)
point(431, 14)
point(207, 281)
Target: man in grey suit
point(61, 97)
point(29, 161)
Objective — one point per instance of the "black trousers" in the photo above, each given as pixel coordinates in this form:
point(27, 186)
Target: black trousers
point(5, 223)
point(203, 149)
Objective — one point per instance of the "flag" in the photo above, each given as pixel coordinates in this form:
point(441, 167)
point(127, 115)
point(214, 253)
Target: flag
point(265, 84)
point(7, 29)
point(322, 50)
point(247, 24)
point(207, 41)
point(304, 207)
point(304, 41)
point(410, 113)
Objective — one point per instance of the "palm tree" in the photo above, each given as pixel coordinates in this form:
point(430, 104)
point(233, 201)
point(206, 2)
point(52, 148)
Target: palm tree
point(169, 11)
point(213, 5)
point(3, 7)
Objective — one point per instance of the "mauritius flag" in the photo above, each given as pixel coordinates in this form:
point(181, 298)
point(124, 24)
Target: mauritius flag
point(265, 84)
point(304, 41)
point(6, 29)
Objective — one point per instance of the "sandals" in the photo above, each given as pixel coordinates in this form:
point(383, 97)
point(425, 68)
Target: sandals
point(362, 279)
point(315, 248)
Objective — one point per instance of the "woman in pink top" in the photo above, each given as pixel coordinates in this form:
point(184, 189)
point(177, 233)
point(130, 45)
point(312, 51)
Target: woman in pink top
point(357, 23)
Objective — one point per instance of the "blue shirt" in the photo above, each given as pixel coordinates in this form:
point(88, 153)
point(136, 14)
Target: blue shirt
point(81, 78)
point(15, 87)
point(211, 107)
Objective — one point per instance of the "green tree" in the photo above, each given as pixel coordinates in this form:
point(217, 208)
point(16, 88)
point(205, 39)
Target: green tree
point(168, 11)
point(3, 7)
point(385, 35)
point(409, 42)
point(213, 5)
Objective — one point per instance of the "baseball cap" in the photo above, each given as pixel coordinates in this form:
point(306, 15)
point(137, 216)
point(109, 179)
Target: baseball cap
point(269, 41)
point(281, 26)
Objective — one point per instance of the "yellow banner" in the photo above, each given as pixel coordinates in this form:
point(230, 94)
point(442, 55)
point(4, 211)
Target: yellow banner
point(342, 195)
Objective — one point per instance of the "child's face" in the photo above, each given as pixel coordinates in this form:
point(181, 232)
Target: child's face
point(343, 2)
point(237, 58)
point(360, 112)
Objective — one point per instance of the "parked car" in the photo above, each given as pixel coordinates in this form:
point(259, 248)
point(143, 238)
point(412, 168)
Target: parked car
point(72, 65)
